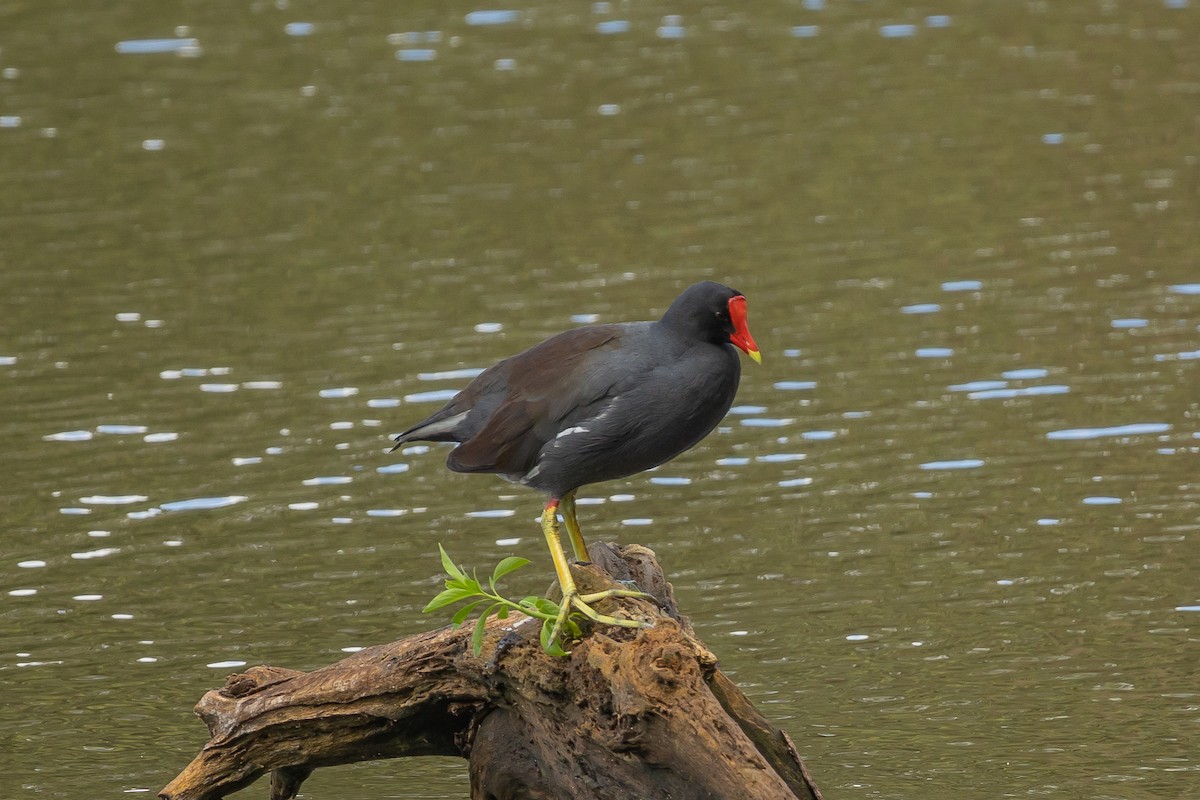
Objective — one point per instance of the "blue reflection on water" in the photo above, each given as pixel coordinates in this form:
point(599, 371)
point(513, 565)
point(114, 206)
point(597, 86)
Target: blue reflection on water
point(1028, 391)
point(1134, 429)
point(1025, 374)
point(450, 374)
point(611, 26)
point(120, 430)
point(962, 286)
point(416, 54)
point(436, 396)
point(747, 409)
point(492, 17)
point(202, 503)
point(977, 386)
point(68, 436)
point(792, 482)
point(780, 458)
point(962, 463)
point(1186, 355)
point(142, 46)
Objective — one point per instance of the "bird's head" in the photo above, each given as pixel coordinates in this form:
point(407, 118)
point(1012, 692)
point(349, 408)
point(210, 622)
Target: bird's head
point(714, 313)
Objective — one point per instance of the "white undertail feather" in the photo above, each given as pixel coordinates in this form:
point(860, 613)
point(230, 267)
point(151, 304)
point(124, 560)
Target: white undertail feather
point(442, 425)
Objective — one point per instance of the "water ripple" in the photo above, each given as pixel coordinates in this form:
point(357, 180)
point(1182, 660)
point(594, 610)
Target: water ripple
point(962, 463)
point(1102, 500)
point(112, 500)
point(767, 422)
point(341, 391)
point(780, 458)
point(492, 17)
point(747, 409)
point(98, 553)
point(1134, 429)
point(149, 46)
point(450, 374)
point(1028, 391)
point(977, 386)
point(1025, 373)
point(68, 436)
point(203, 503)
point(121, 430)
point(436, 396)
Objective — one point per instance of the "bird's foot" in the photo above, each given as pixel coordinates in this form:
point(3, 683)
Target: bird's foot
point(574, 601)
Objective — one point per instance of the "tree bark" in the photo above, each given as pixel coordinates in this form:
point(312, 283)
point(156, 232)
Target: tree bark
point(629, 714)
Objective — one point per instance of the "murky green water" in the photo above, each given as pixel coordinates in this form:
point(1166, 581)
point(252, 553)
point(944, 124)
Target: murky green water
point(949, 536)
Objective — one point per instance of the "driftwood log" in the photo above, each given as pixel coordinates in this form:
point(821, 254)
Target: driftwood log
point(629, 714)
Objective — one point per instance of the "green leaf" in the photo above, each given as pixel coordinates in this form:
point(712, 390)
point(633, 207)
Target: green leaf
point(461, 615)
point(451, 569)
point(551, 647)
point(506, 566)
point(480, 628)
point(446, 597)
point(545, 605)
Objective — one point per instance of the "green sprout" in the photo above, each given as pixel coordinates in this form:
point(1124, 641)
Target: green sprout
point(460, 586)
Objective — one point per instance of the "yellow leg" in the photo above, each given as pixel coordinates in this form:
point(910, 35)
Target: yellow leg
point(571, 599)
point(568, 511)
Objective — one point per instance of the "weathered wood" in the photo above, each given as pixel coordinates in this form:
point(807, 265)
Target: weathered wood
point(630, 713)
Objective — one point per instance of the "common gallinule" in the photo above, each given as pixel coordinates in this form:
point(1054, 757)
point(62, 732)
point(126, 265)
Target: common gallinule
point(597, 403)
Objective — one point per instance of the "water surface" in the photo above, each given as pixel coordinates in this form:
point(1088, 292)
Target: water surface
point(946, 538)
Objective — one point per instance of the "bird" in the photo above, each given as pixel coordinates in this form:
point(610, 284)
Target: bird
point(597, 403)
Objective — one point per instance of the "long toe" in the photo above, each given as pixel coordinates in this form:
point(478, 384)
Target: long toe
point(581, 603)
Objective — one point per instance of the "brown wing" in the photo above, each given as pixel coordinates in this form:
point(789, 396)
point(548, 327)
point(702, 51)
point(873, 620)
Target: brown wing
point(544, 384)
